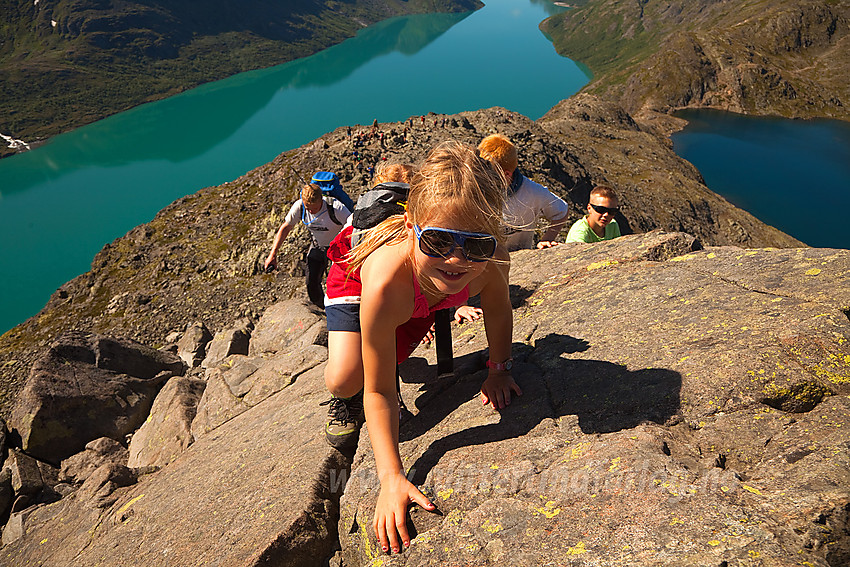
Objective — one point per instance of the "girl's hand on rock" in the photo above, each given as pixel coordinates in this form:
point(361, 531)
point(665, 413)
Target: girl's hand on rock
point(497, 388)
point(467, 313)
point(390, 523)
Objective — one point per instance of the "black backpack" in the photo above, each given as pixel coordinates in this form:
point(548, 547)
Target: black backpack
point(377, 204)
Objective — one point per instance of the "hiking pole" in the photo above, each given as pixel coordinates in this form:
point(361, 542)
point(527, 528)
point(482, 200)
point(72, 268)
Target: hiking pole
point(443, 339)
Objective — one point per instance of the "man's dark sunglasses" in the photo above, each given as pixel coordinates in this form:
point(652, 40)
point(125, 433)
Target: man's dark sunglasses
point(441, 242)
point(602, 210)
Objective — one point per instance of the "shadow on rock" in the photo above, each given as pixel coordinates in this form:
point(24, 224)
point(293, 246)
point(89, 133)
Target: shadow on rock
point(606, 397)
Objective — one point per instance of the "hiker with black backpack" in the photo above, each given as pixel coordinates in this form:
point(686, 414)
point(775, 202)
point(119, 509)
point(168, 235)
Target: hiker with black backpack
point(324, 217)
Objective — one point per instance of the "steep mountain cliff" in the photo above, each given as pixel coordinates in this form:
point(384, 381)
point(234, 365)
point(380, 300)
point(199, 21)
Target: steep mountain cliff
point(784, 58)
point(66, 63)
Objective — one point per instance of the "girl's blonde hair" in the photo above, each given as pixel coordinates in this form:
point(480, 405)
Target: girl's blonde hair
point(454, 180)
point(399, 172)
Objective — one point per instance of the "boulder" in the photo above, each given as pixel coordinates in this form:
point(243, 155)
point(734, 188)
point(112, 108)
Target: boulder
point(231, 341)
point(287, 325)
point(243, 381)
point(168, 430)
point(26, 481)
point(25, 474)
point(192, 346)
point(84, 387)
point(77, 468)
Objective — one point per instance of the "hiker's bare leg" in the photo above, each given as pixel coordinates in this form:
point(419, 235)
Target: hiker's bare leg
point(344, 371)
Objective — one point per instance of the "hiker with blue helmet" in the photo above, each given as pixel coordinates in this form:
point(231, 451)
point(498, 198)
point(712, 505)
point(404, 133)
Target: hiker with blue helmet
point(324, 217)
point(527, 201)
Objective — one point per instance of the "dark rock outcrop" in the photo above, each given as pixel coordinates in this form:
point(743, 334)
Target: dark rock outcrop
point(84, 387)
point(681, 406)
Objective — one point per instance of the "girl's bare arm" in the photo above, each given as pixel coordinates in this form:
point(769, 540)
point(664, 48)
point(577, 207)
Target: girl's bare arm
point(386, 302)
point(498, 325)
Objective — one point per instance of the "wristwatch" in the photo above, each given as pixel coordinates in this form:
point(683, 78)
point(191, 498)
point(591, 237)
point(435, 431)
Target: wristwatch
point(506, 365)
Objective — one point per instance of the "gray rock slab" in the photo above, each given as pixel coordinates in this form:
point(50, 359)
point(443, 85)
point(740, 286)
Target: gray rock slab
point(168, 430)
point(242, 382)
point(259, 490)
point(680, 407)
point(286, 324)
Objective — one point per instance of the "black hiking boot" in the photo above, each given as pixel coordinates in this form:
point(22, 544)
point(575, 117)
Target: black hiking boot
point(346, 417)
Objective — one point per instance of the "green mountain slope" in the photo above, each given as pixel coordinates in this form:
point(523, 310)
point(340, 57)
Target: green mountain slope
point(64, 63)
point(781, 57)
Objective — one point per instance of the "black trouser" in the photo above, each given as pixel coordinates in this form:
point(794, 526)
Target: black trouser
point(317, 263)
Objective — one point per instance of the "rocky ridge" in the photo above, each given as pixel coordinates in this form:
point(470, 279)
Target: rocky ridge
point(200, 258)
point(783, 58)
point(682, 405)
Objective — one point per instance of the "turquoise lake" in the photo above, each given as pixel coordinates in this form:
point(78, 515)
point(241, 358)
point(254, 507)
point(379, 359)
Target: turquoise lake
point(791, 174)
point(60, 203)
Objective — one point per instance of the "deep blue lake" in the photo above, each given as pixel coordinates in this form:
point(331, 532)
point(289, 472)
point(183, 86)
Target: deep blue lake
point(791, 174)
point(60, 203)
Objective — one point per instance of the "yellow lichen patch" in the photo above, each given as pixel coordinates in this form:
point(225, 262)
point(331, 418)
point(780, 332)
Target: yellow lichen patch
point(578, 451)
point(123, 508)
point(367, 544)
point(444, 494)
point(615, 464)
point(603, 264)
point(494, 467)
point(577, 549)
point(711, 255)
point(491, 527)
point(676, 522)
point(813, 272)
point(549, 510)
point(454, 517)
point(42, 542)
point(751, 489)
point(714, 543)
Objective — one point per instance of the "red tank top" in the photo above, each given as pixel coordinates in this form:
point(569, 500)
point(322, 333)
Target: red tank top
point(345, 287)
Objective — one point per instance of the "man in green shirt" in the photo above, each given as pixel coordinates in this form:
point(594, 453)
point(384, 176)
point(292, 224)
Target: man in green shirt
point(599, 224)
